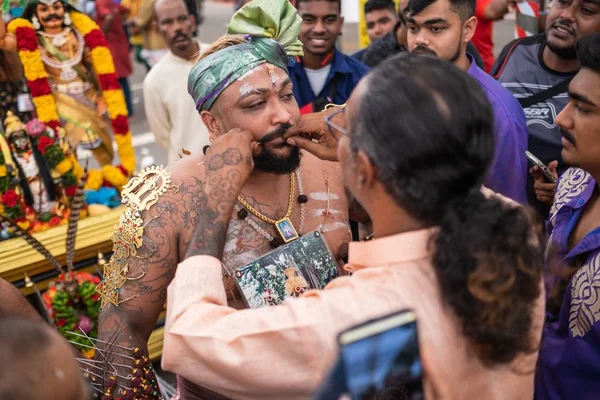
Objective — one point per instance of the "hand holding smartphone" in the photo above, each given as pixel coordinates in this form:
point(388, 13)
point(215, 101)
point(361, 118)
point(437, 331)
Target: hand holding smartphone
point(538, 163)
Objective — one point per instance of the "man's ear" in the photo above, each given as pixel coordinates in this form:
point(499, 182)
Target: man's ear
point(211, 123)
point(366, 172)
point(469, 29)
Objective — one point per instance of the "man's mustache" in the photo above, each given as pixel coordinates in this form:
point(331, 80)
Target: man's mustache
point(425, 50)
point(180, 35)
point(275, 134)
point(568, 136)
point(51, 17)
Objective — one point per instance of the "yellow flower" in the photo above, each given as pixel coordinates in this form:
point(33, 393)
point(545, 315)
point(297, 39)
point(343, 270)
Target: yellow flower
point(3, 171)
point(23, 225)
point(46, 108)
point(83, 23)
point(33, 66)
point(115, 102)
point(18, 23)
point(88, 353)
point(94, 180)
point(114, 176)
point(1, 209)
point(102, 61)
point(77, 169)
point(64, 166)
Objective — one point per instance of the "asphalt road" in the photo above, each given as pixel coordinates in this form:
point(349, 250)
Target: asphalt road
point(217, 14)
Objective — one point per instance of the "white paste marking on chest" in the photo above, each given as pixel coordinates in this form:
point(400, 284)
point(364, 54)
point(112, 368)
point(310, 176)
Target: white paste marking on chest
point(323, 196)
point(333, 226)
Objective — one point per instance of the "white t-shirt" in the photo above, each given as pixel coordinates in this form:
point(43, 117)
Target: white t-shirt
point(170, 110)
point(317, 78)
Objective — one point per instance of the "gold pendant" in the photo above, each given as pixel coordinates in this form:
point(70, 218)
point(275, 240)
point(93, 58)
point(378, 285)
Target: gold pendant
point(286, 230)
point(143, 191)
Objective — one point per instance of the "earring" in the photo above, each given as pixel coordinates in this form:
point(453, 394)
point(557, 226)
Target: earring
point(36, 23)
point(67, 18)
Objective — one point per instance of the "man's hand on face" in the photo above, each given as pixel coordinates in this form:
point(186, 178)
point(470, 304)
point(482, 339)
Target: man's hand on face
point(544, 190)
point(228, 165)
point(312, 134)
point(230, 157)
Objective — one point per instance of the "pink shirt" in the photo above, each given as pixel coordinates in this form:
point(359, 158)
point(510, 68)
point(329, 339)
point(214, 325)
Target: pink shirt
point(287, 351)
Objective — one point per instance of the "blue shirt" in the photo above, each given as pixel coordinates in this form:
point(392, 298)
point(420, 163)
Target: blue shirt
point(508, 173)
point(569, 359)
point(349, 70)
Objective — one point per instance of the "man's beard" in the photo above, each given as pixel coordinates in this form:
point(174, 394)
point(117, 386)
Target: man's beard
point(566, 53)
point(268, 161)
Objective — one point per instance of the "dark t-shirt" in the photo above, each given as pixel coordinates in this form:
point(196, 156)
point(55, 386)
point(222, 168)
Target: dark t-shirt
point(521, 70)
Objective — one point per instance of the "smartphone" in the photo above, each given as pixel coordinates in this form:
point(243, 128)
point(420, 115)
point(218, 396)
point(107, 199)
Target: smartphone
point(536, 161)
point(379, 359)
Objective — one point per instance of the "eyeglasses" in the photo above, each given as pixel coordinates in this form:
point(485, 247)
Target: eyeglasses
point(333, 126)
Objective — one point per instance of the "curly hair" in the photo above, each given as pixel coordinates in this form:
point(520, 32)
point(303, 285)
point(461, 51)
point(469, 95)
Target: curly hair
point(432, 158)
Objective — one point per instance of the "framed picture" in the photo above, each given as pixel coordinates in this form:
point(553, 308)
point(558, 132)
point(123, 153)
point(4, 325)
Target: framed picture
point(286, 230)
point(288, 271)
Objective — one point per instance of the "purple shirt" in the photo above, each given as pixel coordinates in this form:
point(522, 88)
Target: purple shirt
point(508, 173)
point(569, 360)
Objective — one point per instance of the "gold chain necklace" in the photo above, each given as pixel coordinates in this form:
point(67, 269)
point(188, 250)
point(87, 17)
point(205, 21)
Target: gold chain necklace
point(284, 226)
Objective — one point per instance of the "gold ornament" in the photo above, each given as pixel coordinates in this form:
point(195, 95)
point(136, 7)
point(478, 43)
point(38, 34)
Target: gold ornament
point(140, 193)
point(143, 191)
point(110, 286)
point(12, 124)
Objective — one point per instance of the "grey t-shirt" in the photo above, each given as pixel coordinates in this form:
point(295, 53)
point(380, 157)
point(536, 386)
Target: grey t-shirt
point(317, 78)
point(521, 69)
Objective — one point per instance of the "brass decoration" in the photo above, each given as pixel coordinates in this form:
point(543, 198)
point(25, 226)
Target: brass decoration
point(110, 286)
point(143, 191)
point(140, 193)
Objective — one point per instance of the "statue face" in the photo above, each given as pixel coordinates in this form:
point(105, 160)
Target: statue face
point(51, 17)
point(20, 142)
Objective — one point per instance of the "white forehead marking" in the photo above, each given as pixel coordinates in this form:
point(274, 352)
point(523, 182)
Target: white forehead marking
point(247, 74)
point(246, 88)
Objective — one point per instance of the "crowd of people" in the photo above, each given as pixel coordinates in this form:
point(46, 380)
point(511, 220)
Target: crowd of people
point(440, 179)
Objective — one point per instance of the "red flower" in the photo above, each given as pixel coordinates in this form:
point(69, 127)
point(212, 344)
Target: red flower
point(54, 221)
point(39, 87)
point(95, 297)
point(43, 144)
point(26, 39)
point(123, 170)
point(109, 81)
point(95, 39)
point(53, 124)
point(120, 125)
point(61, 322)
point(70, 191)
point(10, 198)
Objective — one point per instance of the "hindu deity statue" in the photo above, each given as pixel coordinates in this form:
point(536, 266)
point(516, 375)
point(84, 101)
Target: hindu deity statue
point(36, 182)
point(68, 68)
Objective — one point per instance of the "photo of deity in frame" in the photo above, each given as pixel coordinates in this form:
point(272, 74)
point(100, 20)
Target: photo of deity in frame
point(286, 230)
point(287, 272)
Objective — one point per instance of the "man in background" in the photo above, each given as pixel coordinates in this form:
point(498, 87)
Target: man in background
point(442, 28)
point(110, 17)
point(170, 111)
point(569, 362)
point(537, 71)
point(324, 74)
point(381, 19)
point(488, 11)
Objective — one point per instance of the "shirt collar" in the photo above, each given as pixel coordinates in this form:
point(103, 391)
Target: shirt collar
point(338, 63)
point(394, 249)
point(473, 69)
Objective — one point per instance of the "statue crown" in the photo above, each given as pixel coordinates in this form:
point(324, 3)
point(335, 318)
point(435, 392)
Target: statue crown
point(12, 124)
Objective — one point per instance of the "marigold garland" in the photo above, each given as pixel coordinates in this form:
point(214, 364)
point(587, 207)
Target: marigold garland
point(103, 66)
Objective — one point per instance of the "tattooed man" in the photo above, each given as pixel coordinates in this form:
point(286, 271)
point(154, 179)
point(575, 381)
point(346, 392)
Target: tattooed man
point(240, 86)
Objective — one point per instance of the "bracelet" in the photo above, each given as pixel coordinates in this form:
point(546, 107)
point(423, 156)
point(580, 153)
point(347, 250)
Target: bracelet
point(331, 105)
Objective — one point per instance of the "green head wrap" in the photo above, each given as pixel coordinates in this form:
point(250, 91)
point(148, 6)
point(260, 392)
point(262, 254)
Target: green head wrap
point(271, 28)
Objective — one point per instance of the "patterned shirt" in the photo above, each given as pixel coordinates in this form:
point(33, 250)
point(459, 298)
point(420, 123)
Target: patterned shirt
point(569, 361)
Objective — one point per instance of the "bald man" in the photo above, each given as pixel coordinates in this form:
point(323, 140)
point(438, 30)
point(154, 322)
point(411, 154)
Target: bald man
point(37, 363)
point(12, 302)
